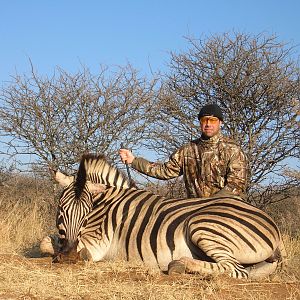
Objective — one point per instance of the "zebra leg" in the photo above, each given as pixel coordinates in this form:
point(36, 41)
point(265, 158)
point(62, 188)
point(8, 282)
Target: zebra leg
point(189, 265)
point(269, 266)
point(204, 268)
point(262, 270)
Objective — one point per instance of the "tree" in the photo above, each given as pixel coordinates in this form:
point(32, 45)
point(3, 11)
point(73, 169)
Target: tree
point(256, 82)
point(59, 118)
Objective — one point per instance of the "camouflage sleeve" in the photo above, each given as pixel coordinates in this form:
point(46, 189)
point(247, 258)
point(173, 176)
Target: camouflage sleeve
point(170, 169)
point(237, 173)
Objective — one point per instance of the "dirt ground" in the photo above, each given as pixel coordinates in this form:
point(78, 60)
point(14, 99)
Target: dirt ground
point(39, 278)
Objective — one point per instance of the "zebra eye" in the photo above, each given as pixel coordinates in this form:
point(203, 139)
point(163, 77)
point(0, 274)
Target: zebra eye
point(59, 220)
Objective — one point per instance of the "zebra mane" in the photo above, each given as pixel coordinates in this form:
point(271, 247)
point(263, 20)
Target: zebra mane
point(96, 169)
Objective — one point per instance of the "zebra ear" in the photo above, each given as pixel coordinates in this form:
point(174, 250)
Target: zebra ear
point(63, 179)
point(96, 188)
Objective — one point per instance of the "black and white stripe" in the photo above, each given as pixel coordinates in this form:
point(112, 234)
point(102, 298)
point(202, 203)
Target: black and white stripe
point(100, 213)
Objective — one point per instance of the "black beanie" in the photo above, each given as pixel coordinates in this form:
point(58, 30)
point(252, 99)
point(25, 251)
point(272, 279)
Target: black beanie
point(211, 110)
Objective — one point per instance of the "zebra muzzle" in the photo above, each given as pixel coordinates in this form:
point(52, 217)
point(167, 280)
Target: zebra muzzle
point(68, 253)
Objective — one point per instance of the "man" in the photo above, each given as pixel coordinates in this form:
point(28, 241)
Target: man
point(212, 164)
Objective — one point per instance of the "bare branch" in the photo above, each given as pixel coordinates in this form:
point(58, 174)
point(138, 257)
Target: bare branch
point(68, 114)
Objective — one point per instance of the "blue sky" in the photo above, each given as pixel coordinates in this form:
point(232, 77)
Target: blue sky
point(72, 33)
point(69, 33)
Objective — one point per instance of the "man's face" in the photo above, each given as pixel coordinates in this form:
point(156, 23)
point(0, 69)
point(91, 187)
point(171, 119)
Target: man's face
point(210, 126)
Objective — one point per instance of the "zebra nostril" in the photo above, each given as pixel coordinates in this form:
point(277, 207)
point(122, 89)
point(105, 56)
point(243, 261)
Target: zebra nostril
point(68, 246)
point(64, 246)
point(65, 250)
point(68, 253)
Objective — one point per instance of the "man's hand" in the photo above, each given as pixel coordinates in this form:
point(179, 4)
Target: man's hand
point(126, 156)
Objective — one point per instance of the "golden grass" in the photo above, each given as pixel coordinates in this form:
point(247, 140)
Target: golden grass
point(23, 278)
point(25, 275)
point(21, 225)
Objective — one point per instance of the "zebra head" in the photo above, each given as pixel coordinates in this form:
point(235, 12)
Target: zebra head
point(94, 176)
point(76, 201)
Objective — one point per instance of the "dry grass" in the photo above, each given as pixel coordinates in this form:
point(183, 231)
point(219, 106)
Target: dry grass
point(25, 219)
point(21, 219)
point(23, 278)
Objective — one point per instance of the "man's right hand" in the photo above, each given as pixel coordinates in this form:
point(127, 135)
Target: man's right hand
point(126, 156)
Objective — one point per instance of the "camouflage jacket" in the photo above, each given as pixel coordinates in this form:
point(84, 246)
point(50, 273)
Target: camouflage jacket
point(217, 165)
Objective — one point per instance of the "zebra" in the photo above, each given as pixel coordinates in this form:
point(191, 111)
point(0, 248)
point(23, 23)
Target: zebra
point(101, 217)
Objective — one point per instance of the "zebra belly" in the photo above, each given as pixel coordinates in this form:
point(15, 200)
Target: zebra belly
point(157, 259)
point(135, 250)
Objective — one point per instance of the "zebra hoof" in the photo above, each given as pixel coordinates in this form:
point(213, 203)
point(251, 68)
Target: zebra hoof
point(176, 267)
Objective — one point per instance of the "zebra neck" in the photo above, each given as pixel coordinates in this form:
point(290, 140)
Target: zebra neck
point(112, 195)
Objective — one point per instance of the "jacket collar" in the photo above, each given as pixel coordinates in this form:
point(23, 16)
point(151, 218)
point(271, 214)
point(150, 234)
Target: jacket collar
point(213, 140)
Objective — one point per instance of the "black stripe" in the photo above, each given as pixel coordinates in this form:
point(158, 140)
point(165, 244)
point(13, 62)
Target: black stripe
point(154, 234)
point(177, 221)
point(143, 225)
point(171, 228)
point(114, 212)
point(197, 252)
point(241, 221)
point(216, 233)
point(223, 224)
point(107, 181)
point(128, 202)
point(134, 220)
point(254, 211)
point(182, 203)
point(116, 179)
point(107, 212)
point(103, 211)
point(223, 246)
